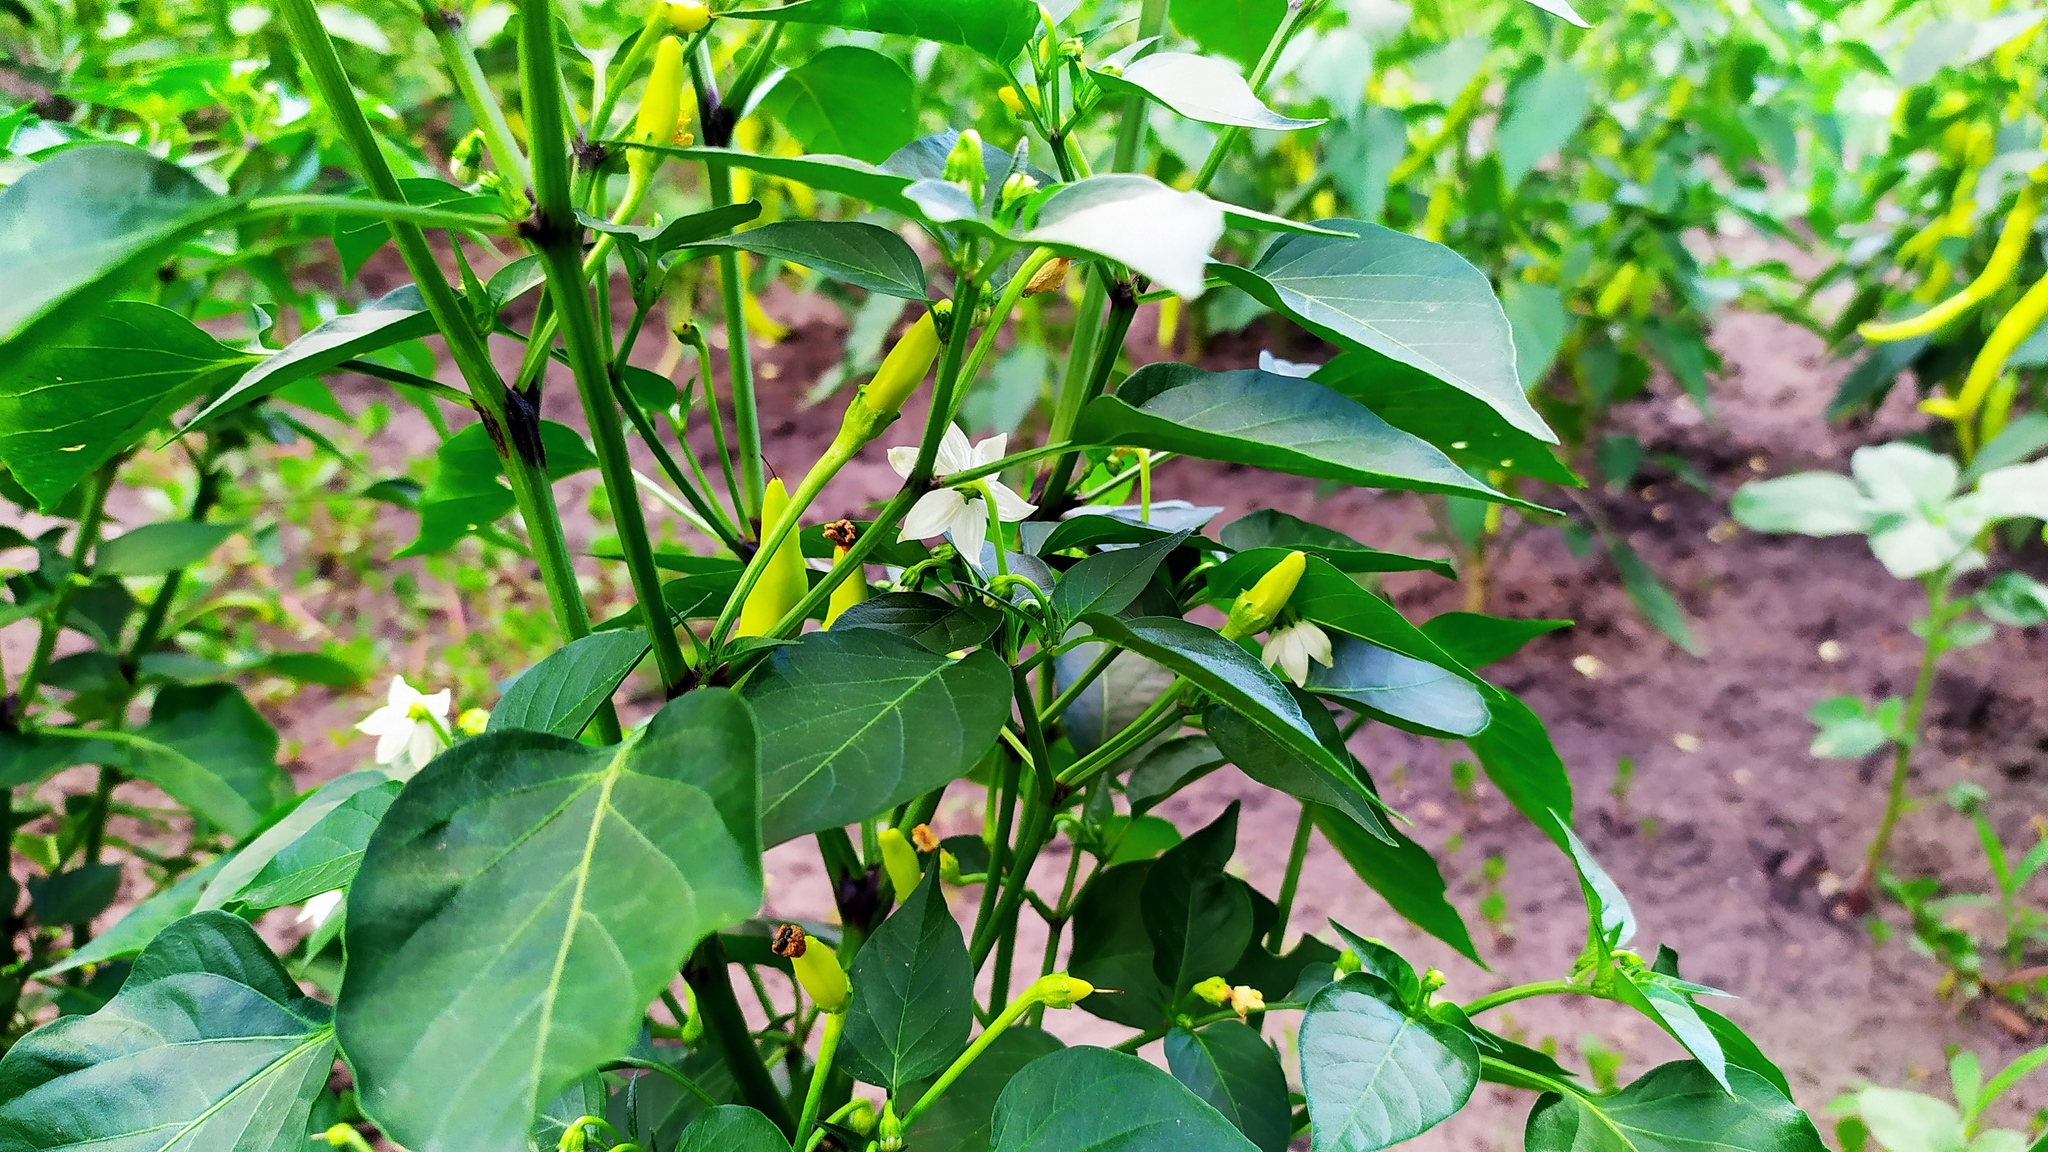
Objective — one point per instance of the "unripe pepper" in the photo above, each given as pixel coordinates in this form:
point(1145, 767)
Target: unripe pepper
point(1616, 293)
point(899, 859)
point(902, 370)
point(1259, 605)
point(687, 16)
point(1058, 990)
point(852, 590)
point(817, 967)
point(1998, 271)
point(661, 106)
point(782, 582)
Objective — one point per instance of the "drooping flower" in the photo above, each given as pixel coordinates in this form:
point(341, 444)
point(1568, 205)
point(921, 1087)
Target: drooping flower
point(960, 513)
point(411, 728)
point(1291, 648)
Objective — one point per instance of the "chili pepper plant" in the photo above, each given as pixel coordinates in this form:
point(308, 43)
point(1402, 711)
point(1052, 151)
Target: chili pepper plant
point(543, 928)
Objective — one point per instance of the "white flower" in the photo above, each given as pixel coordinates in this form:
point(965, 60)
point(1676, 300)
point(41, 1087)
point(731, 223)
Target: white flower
point(1271, 363)
point(410, 728)
point(1293, 646)
point(960, 513)
point(319, 908)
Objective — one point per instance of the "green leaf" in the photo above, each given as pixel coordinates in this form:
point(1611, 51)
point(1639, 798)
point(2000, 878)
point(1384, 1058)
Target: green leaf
point(75, 397)
point(1475, 639)
point(1403, 299)
point(1541, 321)
point(1516, 752)
point(1232, 1069)
point(1271, 528)
point(155, 549)
point(842, 174)
point(850, 251)
point(1279, 767)
point(1169, 767)
point(1137, 221)
point(960, 1120)
point(206, 746)
point(75, 896)
point(998, 29)
point(732, 1128)
point(149, 1073)
point(1741, 1051)
point(913, 993)
point(855, 721)
point(393, 318)
point(1544, 112)
point(1096, 1100)
point(1223, 670)
point(562, 692)
point(1404, 874)
point(1400, 690)
point(1110, 581)
point(938, 626)
point(1563, 10)
point(133, 932)
point(813, 100)
point(1199, 88)
point(1911, 1121)
point(1239, 29)
point(1198, 919)
point(1649, 595)
point(1606, 907)
point(77, 226)
point(1808, 503)
point(357, 238)
point(1674, 1108)
point(1464, 427)
point(1112, 948)
point(1374, 1076)
point(1334, 600)
point(524, 900)
point(468, 492)
point(1284, 423)
point(297, 825)
point(1675, 1013)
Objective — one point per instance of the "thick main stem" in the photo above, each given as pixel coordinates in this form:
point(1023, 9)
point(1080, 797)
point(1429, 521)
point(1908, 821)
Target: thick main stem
point(711, 979)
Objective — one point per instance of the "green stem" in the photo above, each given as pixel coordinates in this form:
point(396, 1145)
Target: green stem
point(1122, 309)
point(1156, 718)
point(1073, 692)
point(101, 482)
point(713, 516)
point(1296, 856)
point(1909, 735)
point(1006, 304)
point(475, 90)
point(393, 211)
point(726, 1026)
point(732, 488)
point(828, 1047)
point(1527, 992)
point(996, 1027)
point(1297, 13)
point(558, 243)
point(739, 363)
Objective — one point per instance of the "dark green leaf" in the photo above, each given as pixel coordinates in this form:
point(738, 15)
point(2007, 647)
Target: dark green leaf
point(1096, 1100)
point(732, 1128)
point(326, 856)
point(1272, 421)
point(854, 721)
point(998, 29)
point(282, 833)
point(529, 895)
point(562, 692)
point(863, 255)
point(76, 896)
point(133, 932)
point(1376, 959)
point(357, 238)
point(1374, 1076)
point(1402, 298)
point(1113, 950)
point(74, 397)
point(1199, 920)
point(1741, 1051)
point(683, 231)
point(1277, 766)
point(1675, 1013)
point(1516, 752)
point(813, 100)
point(150, 1074)
point(913, 994)
point(155, 549)
point(1109, 581)
point(1400, 690)
point(393, 318)
point(1464, 427)
point(1404, 874)
point(1674, 1108)
point(76, 226)
point(1474, 639)
point(938, 626)
point(1231, 1068)
point(1238, 29)
point(468, 492)
point(207, 747)
point(1169, 767)
point(1650, 596)
point(960, 1120)
point(1271, 528)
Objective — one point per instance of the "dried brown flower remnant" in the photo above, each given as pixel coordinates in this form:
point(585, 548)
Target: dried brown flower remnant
point(841, 533)
point(925, 839)
point(1049, 278)
point(789, 942)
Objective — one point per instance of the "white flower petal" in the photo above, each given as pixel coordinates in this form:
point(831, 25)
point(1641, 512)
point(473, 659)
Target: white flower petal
point(903, 460)
point(379, 721)
point(933, 513)
point(1294, 661)
point(1010, 506)
point(437, 705)
point(991, 450)
point(391, 745)
point(319, 908)
point(955, 453)
point(1314, 641)
point(970, 531)
point(401, 694)
point(424, 746)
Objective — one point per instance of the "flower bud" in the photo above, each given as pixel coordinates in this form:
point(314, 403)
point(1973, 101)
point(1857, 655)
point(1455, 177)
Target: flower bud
point(1011, 100)
point(661, 106)
point(1245, 1000)
point(1016, 187)
point(899, 859)
point(817, 967)
point(1347, 963)
point(1259, 605)
point(467, 161)
point(1216, 990)
point(965, 165)
point(889, 1130)
point(1433, 980)
point(473, 722)
point(860, 1116)
point(783, 581)
point(687, 16)
point(949, 869)
point(1059, 990)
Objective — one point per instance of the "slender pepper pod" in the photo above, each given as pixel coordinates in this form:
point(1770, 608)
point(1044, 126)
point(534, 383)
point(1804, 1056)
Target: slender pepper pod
point(903, 369)
point(782, 583)
point(1998, 272)
point(899, 859)
point(661, 106)
point(817, 967)
point(1259, 605)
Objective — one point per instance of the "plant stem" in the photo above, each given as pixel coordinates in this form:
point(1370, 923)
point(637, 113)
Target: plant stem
point(101, 482)
point(1123, 308)
point(1908, 736)
point(1289, 883)
point(739, 364)
point(475, 90)
point(1297, 13)
point(996, 1027)
point(710, 977)
point(1526, 992)
point(393, 211)
point(557, 239)
point(828, 1047)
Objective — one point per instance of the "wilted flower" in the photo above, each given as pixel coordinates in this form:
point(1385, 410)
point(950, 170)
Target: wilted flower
point(411, 728)
point(961, 513)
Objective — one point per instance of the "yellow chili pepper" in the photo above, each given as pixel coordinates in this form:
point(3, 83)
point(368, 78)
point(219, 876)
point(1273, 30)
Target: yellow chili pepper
point(1616, 293)
point(853, 589)
point(687, 16)
point(1259, 605)
point(782, 582)
point(899, 859)
point(1169, 321)
point(817, 967)
point(1998, 272)
point(1058, 990)
point(661, 107)
point(2012, 331)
